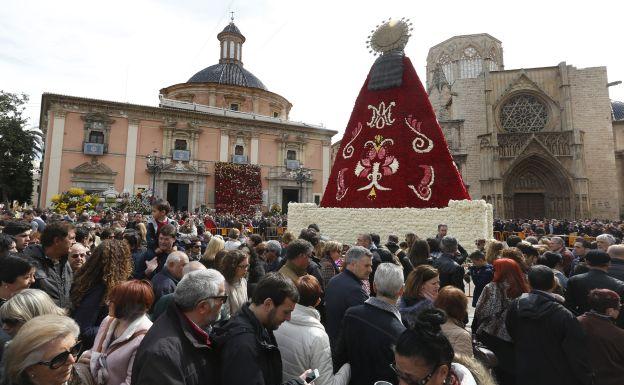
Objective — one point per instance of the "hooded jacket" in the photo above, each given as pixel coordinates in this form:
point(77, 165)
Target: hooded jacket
point(551, 347)
point(304, 344)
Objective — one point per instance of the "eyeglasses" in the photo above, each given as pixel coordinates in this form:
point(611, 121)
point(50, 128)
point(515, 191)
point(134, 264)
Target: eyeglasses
point(222, 298)
point(60, 359)
point(409, 380)
point(83, 255)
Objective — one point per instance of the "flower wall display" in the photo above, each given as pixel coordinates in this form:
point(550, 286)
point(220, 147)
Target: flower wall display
point(138, 203)
point(238, 188)
point(466, 220)
point(75, 199)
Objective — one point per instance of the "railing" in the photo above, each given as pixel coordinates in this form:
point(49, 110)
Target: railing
point(568, 239)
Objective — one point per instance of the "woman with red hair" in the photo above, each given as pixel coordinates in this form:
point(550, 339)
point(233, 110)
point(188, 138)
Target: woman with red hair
point(112, 356)
point(489, 319)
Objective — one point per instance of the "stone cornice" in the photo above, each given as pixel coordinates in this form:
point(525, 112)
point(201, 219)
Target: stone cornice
point(118, 109)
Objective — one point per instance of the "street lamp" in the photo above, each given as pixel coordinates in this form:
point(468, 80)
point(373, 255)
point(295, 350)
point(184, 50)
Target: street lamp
point(155, 164)
point(300, 175)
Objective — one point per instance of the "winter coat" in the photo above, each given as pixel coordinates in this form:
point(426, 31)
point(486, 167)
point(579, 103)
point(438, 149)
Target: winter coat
point(138, 259)
point(580, 285)
point(550, 345)
point(606, 348)
point(112, 363)
point(173, 352)
point(47, 277)
point(89, 314)
point(343, 291)
point(458, 336)
point(248, 352)
point(304, 345)
point(411, 307)
point(368, 335)
point(163, 283)
point(451, 273)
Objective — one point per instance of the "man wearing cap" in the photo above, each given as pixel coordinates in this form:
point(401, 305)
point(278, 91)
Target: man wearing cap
point(580, 285)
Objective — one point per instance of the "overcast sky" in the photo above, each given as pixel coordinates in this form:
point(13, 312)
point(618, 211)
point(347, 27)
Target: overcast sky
point(311, 52)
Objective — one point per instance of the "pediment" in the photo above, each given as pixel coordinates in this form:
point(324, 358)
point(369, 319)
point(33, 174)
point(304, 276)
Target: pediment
point(93, 168)
point(523, 82)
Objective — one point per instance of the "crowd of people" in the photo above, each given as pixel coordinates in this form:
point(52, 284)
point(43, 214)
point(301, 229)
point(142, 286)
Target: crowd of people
point(125, 299)
point(588, 227)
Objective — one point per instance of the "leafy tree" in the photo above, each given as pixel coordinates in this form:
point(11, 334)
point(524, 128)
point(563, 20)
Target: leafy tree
point(19, 147)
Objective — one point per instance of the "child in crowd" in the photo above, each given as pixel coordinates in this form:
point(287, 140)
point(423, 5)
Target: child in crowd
point(481, 274)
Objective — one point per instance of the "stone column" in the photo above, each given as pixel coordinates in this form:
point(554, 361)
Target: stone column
point(56, 154)
point(223, 147)
point(253, 150)
point(326, 163)
point(131, 152)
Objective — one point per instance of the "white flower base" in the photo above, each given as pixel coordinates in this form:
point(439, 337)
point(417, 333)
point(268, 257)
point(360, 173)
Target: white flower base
point(467, 221)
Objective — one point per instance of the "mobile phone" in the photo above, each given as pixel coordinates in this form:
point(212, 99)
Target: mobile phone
point(312, 376)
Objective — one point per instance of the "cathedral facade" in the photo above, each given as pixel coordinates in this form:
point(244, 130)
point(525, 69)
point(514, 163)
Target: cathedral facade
point(223, 113)
point(536, 142)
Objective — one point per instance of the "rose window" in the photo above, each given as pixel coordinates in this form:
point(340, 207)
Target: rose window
point(524, 113)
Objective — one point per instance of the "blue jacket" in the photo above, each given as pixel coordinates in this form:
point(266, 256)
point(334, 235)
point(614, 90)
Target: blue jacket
point(480, 276)
point(89, 314)
point(163, 283)
point(342, 292)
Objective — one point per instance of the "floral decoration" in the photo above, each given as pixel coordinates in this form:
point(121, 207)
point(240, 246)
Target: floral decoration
point(238, 188)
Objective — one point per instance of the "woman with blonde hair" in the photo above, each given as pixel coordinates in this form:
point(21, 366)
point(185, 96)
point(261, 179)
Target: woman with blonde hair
point(24, 306)
point(140, 227)
point(493, 250)
point(43, 352)
point(110, 265)
point(215, 245)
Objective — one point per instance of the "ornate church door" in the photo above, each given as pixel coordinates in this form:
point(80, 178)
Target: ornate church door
point(529, 205)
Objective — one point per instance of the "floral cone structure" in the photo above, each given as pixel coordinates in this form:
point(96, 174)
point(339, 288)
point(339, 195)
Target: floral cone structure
point(393, 152)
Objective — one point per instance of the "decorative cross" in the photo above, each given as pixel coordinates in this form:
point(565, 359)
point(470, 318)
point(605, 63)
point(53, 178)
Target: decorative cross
point(232, 18)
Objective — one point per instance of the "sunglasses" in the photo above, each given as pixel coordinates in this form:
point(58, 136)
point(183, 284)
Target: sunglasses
point(61, 358)
point(409, 380)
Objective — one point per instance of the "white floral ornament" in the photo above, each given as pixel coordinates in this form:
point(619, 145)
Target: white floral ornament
point(423, 191)
point(348, 150)
point(382, 115)
point(376, 164)
point(422, 144)
point(341, 191)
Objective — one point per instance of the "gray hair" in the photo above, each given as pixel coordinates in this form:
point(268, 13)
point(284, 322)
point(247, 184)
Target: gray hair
point(196, 286)
point(356, 253)
point(388, 280)
point(176, 257)
point(448, 244)
point(274, 246)
point(610, 239)
point(558, 240)
point(614, 251)
point(193, 266)
point(27, 348)
point(28, 304)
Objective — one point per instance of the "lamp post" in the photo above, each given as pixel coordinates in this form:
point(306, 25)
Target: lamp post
point(155, 164)
point(301, 175)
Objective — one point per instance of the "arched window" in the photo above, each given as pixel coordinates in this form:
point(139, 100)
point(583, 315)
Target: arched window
point(239, 150)
point(96, 137)
point(447, 67)
point(180, 144)
point(470, 63)
point(493, 61)
point(524, 113)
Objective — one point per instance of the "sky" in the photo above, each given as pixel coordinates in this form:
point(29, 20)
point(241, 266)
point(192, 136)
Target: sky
point(311, 52)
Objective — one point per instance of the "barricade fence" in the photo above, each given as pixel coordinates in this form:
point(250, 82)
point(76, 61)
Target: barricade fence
point(267, 233)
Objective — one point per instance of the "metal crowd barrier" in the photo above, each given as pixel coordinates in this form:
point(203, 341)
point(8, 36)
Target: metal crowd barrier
point(267, 233)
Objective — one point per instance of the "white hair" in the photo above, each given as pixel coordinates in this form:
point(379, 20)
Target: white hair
point(610, 239)
point(176, 257)
point(388, 280)
point(196, 286)
point(193, 266)
point(274, 246)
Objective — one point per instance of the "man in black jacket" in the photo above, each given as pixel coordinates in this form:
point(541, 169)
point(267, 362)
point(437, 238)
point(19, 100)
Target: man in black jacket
point(451, 273)
point(249, 352)
point(345, 289)
point(176, 350)
point(53, 273)
point(616, 269)
point(580, 285)
point(369, 331)
point(549, 342)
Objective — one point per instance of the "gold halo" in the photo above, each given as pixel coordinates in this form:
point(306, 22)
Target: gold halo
point(390, 35)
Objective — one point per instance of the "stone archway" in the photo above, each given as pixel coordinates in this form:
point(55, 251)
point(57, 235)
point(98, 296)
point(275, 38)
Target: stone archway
point(537, 187)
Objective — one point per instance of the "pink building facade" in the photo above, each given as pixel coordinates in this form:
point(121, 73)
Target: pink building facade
point(221, 114)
